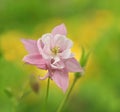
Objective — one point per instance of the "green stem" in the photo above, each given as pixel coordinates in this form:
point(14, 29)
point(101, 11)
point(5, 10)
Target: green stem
point(66, 96)
point(47, 92)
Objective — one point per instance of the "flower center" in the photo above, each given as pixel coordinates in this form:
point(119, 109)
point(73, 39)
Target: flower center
point(55, 50)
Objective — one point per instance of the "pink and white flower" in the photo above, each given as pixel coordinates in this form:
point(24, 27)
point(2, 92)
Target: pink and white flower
point(52, 52)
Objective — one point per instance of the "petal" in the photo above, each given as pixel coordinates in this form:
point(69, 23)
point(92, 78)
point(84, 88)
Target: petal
point(66, 54)
point(68, 44)
point(57, 65)
point(35, 59)
point(72, 65)
point(56, 59)
point(63, 42)
point(44, 45)
point(46, 53)
point(60, 29)
point(44, 77)
point(30, 45)
point(46, 39)
point(61, 79)
point(42, 66)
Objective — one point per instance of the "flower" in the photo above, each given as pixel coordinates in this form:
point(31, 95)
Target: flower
point(52, 52)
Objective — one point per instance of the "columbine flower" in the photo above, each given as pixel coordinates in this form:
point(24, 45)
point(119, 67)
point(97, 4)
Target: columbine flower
point(52, 52)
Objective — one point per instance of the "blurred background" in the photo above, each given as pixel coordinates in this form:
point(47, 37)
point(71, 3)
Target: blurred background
point(93, 24)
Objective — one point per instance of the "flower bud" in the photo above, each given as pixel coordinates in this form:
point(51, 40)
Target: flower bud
point(84, 58)
point(83, 62)
point(34, 84)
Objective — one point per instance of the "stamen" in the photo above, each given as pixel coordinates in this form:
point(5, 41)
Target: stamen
point(55, 50)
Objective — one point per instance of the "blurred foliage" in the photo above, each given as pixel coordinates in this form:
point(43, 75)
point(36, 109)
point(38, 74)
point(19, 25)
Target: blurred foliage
point(93, 24)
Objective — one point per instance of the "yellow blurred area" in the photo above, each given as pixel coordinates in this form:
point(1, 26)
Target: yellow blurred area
point(91, 29)
point(11, 46)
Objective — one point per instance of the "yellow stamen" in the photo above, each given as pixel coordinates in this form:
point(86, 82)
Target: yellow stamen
point(55, 50)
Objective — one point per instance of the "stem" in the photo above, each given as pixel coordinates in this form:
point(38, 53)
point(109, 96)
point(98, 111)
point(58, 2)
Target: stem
point(66, 96)
point(47, 92)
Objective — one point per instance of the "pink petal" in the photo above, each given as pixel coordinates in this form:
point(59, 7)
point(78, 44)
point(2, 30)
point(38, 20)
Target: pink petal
point(42, 66)
point(61, 79)
point(30, 45)
point(57, 65)
point(35, 59)
point(44, 77)
point(61, 29)
point(72, 65)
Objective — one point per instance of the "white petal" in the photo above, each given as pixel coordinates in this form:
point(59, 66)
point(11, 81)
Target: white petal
point(66, 54)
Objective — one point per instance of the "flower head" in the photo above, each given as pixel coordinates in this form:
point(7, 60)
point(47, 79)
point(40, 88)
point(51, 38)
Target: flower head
point(52, 52)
